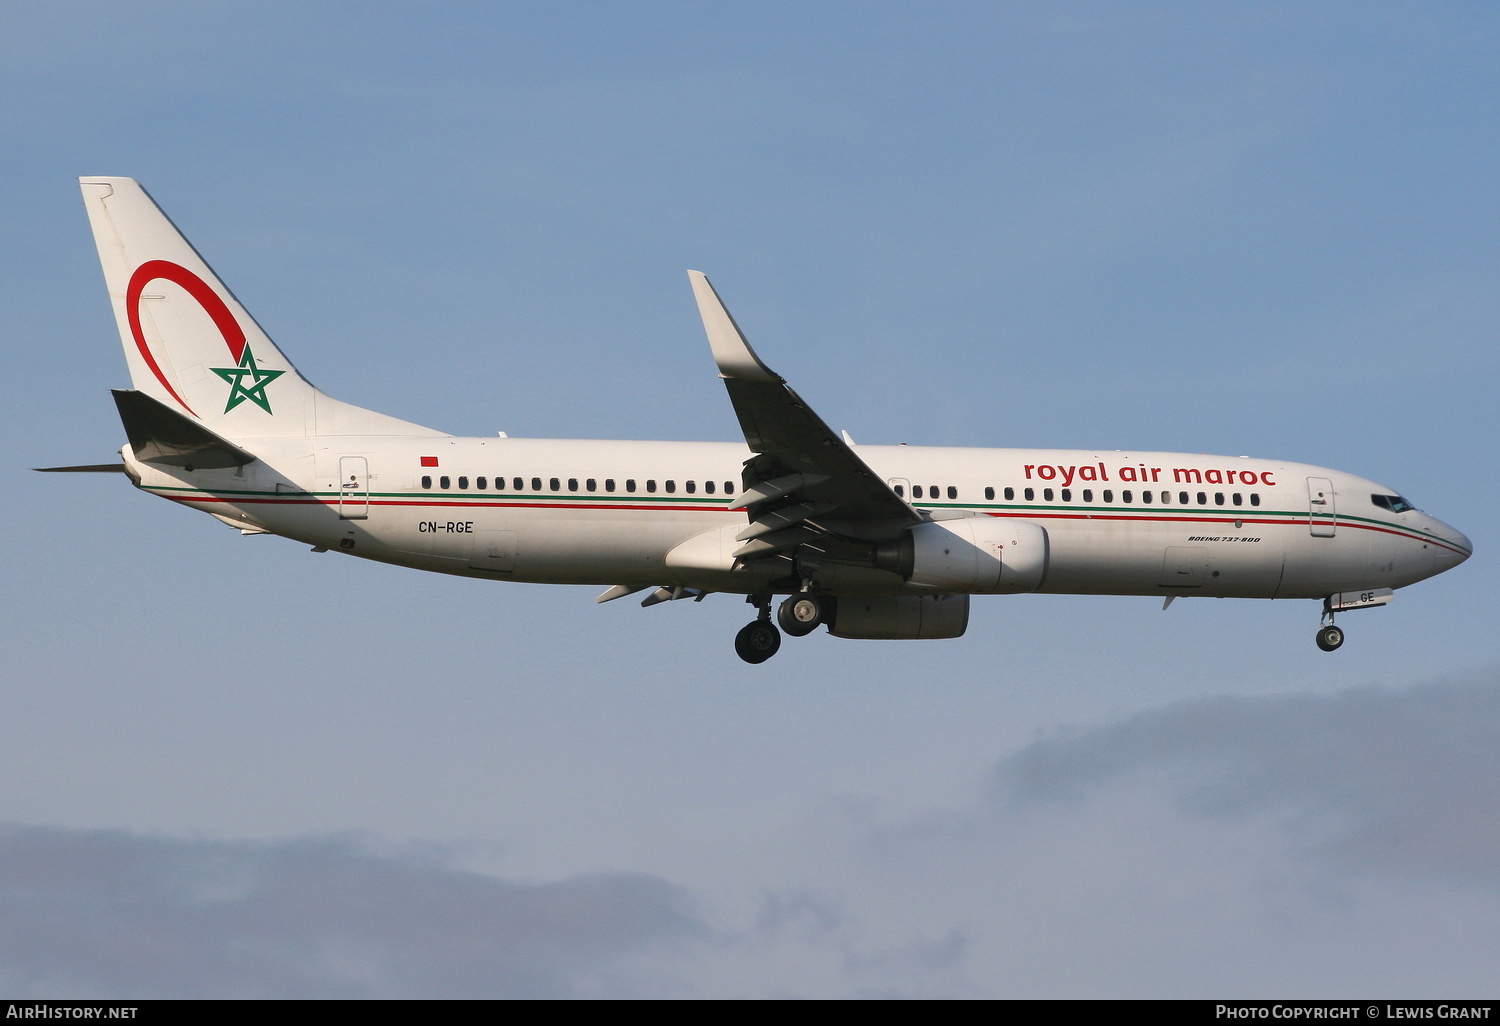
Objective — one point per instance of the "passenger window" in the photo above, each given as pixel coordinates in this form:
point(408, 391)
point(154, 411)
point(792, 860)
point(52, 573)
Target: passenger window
point(1047, 494)
point(1109, 495)
point(690, 486)
point(1125, 496)
point(609, 484)
point(1067, 495)
point(1182, 497)
point(671, 486)
point(900, 491)
point(556, 484)
point(443, 482)
point(463, 483)
point(1146, 498)
point(1166, 498)
point(1238, 499)
point(650, 485)
point(426, 481)
point(1255, 498)
point(591, 485)
point(1203, 498)
point(630, 484)
point(1030, 494)
point(572, 484)
point(708, 487)
point(536, 484)
point(481, 482)
point(1010, 493)
point(1088, 495)
point(728, 487)
point(989, 493)
point(1218, 498)
point(952, 492)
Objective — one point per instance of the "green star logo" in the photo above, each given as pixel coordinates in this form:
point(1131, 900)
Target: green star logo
point(238, 377)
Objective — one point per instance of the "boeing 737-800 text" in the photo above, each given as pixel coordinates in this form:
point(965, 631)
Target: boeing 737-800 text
point(873, 542)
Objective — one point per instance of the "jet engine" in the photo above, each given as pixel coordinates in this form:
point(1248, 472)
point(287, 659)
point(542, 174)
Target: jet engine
point(975, 555)
point(899, 617)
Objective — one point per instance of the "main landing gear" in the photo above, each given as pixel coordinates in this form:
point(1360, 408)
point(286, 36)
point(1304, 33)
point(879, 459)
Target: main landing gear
point(1329, 637)
point(799, 615)
point(758, 640)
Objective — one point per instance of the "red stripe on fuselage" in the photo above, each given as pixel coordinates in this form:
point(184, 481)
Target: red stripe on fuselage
point(480, 504)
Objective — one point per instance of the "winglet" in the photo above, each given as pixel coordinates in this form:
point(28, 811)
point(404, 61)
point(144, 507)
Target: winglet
point(731, 352)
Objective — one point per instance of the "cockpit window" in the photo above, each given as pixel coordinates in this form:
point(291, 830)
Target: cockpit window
point(1394, 503)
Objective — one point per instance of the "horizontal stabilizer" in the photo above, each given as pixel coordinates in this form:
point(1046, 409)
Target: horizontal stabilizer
point(92, 468)
point(159, 434)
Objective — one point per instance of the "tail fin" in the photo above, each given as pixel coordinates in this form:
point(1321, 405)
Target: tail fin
point(189, 343)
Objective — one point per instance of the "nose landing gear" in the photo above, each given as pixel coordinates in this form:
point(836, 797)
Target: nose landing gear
point(1329, 637)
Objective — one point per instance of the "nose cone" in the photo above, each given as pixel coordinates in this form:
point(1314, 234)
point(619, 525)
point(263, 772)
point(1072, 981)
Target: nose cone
point(1453, 546)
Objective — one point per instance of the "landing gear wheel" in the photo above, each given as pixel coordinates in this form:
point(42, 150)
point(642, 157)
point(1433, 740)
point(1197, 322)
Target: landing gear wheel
point(1330, 638)
point(800, 615)
point(758, 641)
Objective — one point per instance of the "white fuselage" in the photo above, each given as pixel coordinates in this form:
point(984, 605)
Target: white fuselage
point(623, 513)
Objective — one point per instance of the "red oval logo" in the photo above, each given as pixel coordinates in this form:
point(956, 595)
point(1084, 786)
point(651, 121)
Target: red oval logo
point(206, 297)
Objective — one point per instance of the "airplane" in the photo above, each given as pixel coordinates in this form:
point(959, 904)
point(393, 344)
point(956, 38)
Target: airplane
point(871, 542)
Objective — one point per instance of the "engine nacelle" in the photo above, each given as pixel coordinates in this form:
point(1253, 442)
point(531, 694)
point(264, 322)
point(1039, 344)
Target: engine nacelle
point(978, 555)
point(899, 617)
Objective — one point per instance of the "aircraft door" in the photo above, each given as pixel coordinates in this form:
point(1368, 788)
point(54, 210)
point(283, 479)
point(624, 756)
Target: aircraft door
point(1322, 514)
point(354, 488)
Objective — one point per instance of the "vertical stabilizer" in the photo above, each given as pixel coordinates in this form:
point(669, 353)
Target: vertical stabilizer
point(189, 343)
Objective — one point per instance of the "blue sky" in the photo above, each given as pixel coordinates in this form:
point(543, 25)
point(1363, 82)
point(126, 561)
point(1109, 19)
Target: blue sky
point(1266, 229)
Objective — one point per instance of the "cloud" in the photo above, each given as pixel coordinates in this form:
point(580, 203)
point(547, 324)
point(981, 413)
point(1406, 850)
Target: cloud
point(90, 913)
point(1299, 844)
point(1404, 781)
point(1294, 845)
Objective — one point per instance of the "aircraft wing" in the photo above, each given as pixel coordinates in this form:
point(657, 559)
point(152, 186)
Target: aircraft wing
point(804, 478)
